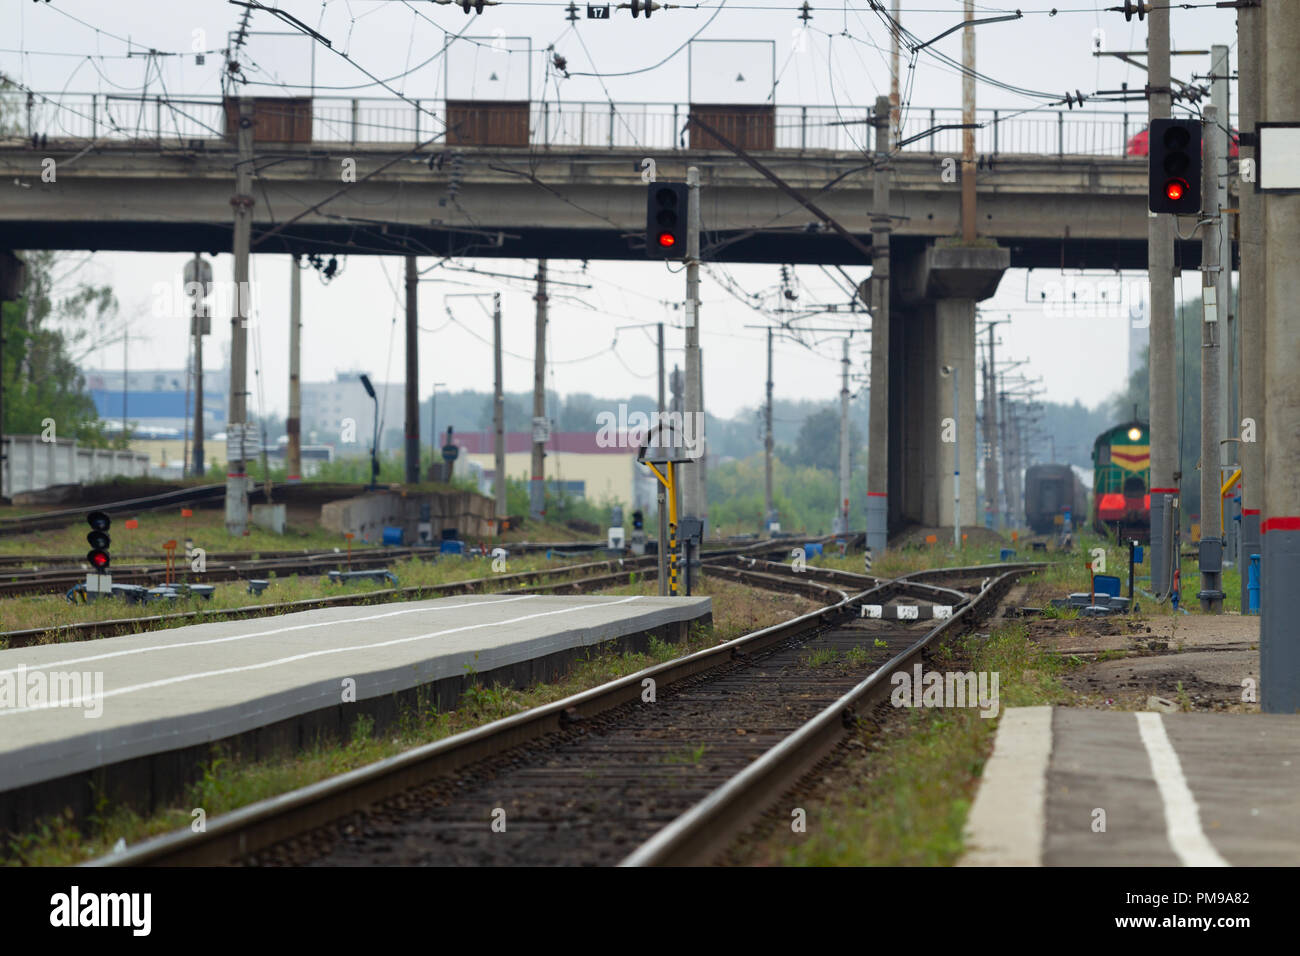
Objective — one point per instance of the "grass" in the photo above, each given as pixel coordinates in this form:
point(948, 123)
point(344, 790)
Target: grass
point(231, 780)
point(910, 787)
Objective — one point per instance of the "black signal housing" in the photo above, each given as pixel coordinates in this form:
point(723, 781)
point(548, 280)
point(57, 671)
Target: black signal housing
point(1174, 167)
point(98, 540)
point(667, 211)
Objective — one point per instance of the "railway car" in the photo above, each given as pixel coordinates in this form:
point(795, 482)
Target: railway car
point(1051, 491)
point(1121, 483)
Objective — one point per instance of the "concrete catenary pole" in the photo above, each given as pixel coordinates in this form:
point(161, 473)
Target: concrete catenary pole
point(878, 427)
point(1250, 322)
point(768, 504)
point(968, 120)
point(1211, 546)
point(293, 424)
point(412, 372)
point(236, 421)
point(956, 456)
point(842, 518)
point(693, 502)
point(991, 434)
point(537, 481)
point(895, 115)
point(498, 411)
point(1280, 528)
point(200, 317)
point(1163, 357)
point(1220, 70)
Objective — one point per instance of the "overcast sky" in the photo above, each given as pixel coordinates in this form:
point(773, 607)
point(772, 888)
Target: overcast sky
point(353, 323)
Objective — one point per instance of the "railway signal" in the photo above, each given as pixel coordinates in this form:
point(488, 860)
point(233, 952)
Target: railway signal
point(1174, 167)
point(665, 220)
point(98, 539)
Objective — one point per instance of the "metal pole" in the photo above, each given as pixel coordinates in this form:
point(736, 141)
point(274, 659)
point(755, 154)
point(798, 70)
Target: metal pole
point(498, 410)
point(878, 437)
point(1163, 361)
point(1253, 297)
point(968, 119)
point(842, 518)
point(662, 407)
point(768, 504)
point(1279, 639)
point(412, 372)
point(242, 201)
point(693, 504)
point(293, 425)
point(537, 485)
point(956, 456)
point(1210, 547)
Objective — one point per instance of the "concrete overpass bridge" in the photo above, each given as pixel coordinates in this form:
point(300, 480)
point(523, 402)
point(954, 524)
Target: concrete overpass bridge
point(571, 187)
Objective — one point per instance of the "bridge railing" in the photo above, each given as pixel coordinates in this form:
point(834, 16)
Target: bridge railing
point(178, 120)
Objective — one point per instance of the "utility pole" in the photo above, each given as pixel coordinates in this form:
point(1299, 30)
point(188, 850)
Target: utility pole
point(293, 425)
point(236, 424)
point(200, 322)
point(968, 120)
point(1279, 639)
point(895, 117)
point(878, 437)
point(1223, 253)
point(537, 484)
point(842, 519)
point(1163, 355)
point(956, 454)
point(1211, 546)
point(1250, 324)
point(694, 504)
point(991, 431)
point(498, 411)
point(412, 372)
point(1006, 459)
point(769, 505)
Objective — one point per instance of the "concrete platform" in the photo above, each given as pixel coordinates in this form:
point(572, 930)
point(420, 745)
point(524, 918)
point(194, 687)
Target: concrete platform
point(1190, 789)
point(67, 710)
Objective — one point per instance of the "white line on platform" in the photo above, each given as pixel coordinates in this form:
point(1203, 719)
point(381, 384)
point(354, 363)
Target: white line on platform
point(241, 637)
point(1182, 816)
point(1007, 822)
point(299, 657)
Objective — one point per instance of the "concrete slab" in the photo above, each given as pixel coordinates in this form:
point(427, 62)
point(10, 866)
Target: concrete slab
point(1191, 789)
point(69, 708)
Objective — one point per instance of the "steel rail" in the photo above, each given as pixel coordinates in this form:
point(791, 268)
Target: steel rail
point(250, 829)
point(698, 835)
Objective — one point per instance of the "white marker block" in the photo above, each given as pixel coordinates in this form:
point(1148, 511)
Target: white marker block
point(908, 612)
point(871, 610)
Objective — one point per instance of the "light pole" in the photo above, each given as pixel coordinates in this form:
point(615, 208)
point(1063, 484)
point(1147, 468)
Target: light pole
point(955, 372)
point(433, 424)
point(374, 437)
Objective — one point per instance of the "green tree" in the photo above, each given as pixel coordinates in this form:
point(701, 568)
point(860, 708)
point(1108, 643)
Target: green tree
point(818, 444)
point(46, 335)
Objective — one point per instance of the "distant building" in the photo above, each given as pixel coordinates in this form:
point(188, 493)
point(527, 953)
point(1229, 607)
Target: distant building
point(575, 465)
point(329, 407)
point(156, 401)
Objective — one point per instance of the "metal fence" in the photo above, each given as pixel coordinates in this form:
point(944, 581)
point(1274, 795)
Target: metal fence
point(659, 126)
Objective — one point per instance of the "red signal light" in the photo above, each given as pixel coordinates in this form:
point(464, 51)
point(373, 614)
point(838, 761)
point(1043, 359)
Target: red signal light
point(98, 559)
point(1174, 190)
point(667, 240)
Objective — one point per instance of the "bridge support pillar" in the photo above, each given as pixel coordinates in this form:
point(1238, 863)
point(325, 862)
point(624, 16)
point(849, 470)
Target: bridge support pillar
point(933, 329)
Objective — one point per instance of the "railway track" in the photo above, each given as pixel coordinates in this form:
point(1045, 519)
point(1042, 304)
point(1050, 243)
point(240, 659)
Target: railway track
point(608, 776)
point(592, 574)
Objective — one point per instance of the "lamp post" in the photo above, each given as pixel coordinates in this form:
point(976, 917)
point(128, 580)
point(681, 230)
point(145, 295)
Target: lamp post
point(374, 437)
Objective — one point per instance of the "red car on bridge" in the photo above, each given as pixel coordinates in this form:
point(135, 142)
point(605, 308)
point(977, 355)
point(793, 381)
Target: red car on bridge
point(1137, 144)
